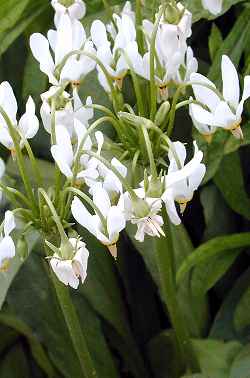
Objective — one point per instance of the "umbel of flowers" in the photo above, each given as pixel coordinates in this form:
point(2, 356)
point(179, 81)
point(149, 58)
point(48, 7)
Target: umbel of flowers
point(142, 177)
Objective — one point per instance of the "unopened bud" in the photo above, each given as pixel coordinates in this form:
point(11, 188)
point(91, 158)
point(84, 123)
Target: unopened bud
point(162, 113)
point(22, 248)
point(141, 208)
point(172, 14)
point(67, 3)
point(155, 188)
point(135, 120)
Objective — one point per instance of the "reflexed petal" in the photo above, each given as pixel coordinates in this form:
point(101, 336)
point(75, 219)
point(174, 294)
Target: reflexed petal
point(9, 222)
point(82, 215)
point(64, 165)
point(64, 271)
point(8, 100)
point(201, 115)
point(99, 34)
point(101, 200)
point(171, 208)
point(245, 96)
point(64, 39)
point(29, 123)
point(7, 249)
point(40, 49)
point(204, 95)
point(231, 86)
point(115, 223)
point(224, 117)
point(2, 168)
point(213, 6)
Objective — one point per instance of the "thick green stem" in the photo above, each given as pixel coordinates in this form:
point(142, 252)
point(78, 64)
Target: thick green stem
point(139, 33)
point(153, 94)
point(165, 261)
point(75, 330)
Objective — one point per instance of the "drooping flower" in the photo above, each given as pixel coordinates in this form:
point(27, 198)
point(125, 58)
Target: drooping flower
point(213, 6)
point(182, 179)
point(107, 178)
point(28, 124)
point(7, 246)
point(112, 57)
point(67, 109)
point(63, 66)
point(106, 224)
point(76, 9)
point(65, 152)
point(144, 214)
point(220, 111)
point(72, 270)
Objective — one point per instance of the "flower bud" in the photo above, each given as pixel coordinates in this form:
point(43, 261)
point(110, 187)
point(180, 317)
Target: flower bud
point(135, 120)
point(155, 188)
point(172, 14)
point(22, 248)
point(141, 208)
point(67, 3)
point(162, 113)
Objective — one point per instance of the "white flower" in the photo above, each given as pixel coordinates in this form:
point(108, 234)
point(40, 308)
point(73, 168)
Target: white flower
point(76, 10)
point(71, 271)
point(70, 36)
point(148, 222)
point(28, 124)
point(2, 171)
point(182, 179)
point(112, 58)
point(222, 112)
point(213, 6)
point(7, 246)
point(67, 109)
point(64, 153)
point(107, 178)
point(106, 225)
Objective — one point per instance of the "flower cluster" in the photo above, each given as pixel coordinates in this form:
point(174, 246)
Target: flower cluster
point(103, 185)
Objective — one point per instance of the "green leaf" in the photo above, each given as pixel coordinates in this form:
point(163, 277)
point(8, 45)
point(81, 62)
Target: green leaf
point(10, 12)
point(15, 364)
point(212, 248)
point(233, 45)
point(36, 348)
point(197, 319)
point(162, 345)
point(6, 278)
point(8, 37)
point(242, 311)
point(241, 364)
point(224, 325)
point(229, 180)
point(102, 290)
point(215, 356)
point(215, 40)
point(32, 300)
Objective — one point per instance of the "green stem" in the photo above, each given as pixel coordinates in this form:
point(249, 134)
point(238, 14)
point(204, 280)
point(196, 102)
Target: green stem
point(153, 94)
point(20, 161)
point(55, 215)
point(150, 153)
point(138, 21)
point(74, 328)
point(33, 163)
point(165, 261)
point(12, 194)
point(173, 110)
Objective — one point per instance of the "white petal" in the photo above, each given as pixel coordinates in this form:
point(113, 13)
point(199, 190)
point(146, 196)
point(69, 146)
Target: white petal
point(205, 95)
point(168, 199)
point(245, 96)
point(115, 223)
point(99, 34)
point(101, 200)
point(2, 168)
point(224, 117)
point(7, 249)
point(231, 86)
point(29, 123)
point(63, 269)
point(9, 222)
point(40, 49)
point(64, 39)
point(213, 6)
point(201, 115)
point(8, 100)
point(82, 215)
point(63, 164)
